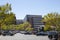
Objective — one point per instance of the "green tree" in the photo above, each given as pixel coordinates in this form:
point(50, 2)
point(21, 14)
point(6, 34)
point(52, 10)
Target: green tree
point(6, 16)
point(4, 27)
point(10, 19)
point(21, 27)
point(25, 26)
point(29, 29)
point(53, 20)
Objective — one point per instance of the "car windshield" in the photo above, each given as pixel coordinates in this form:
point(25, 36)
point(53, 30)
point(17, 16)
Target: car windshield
point(53, 33)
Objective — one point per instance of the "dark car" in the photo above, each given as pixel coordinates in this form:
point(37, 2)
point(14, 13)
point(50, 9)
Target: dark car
point(22, 32)
point(29, 33)
point(4, 33)
point(34, 32)
point(0, 32)
point(59, 35)
point(53, 35)
point(41, 33)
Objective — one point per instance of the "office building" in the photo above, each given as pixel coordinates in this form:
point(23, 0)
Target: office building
point(19, 22)
point(35, 21)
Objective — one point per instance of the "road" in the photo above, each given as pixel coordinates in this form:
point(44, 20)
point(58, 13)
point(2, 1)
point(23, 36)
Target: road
point(19, 36)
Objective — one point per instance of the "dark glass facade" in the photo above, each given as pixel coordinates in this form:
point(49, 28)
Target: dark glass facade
point(34, 20)
point(19, 22)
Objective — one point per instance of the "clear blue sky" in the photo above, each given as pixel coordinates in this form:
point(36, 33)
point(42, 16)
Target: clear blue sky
point(34, 7)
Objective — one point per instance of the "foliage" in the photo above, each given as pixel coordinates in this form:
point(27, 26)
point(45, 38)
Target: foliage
point(25, 26)
point(6, 16)
point(47, 28)
point(4, 27)
point(53, 20)
point(29, 29)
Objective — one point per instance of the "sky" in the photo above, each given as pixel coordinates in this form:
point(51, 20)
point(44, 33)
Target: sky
point(32, 7)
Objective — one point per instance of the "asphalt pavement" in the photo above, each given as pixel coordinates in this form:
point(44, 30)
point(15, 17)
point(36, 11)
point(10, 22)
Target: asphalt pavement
point(19, 36)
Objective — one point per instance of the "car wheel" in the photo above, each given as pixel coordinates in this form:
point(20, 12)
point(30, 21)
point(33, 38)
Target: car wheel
point(4, 34)
point(0, 33)
point(50, 36)
point(11, 34)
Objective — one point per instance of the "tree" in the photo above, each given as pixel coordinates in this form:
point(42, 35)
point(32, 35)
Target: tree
point(26, 26)
point(6, 16)
point(21, 27)
point(29, 29)
point(53, 20)
point(10, 19)
point(4, 27)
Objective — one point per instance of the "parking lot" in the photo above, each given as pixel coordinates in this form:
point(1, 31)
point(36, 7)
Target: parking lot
point(19, 36)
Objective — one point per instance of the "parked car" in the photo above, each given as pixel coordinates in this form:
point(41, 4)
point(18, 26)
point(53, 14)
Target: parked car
point(29, 33)
point(22, 32)
point(59, 35)
point(34, 32)
point(13, 31)
point(4, 33)
point(41, 33)
point(0, 32)
point(53, 35)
